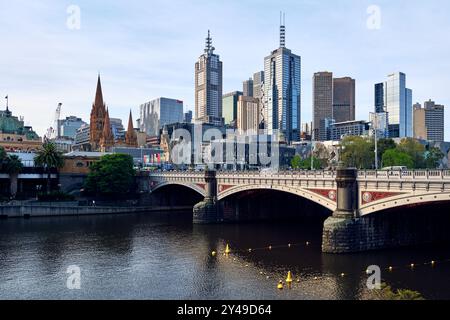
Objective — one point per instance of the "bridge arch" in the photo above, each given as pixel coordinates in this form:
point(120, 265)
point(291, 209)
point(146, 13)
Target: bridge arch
point(402, 201)
point(191, 186)
point(303, 193)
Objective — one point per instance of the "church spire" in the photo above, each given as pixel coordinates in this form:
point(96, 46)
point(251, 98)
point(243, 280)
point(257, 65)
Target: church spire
point(130, 137)
point(98, 114)
point(107, 140)
point(99, 94)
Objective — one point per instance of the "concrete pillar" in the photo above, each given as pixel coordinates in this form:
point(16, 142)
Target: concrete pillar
point(207, 211)
point(341, 232)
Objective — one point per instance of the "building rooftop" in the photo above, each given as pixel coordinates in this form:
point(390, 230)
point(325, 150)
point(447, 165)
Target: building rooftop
point(86, 154)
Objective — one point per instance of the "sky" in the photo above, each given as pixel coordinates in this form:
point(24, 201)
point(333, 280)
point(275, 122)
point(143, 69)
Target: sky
point(148, 49)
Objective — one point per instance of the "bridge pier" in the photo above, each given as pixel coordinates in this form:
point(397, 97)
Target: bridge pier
point(208, 211)
point(342, 231)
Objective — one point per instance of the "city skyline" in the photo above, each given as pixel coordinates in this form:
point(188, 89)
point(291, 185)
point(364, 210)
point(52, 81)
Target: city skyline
point(139, 60)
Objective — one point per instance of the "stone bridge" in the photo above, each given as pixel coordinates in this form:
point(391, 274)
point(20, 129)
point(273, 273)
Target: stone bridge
point(353, 196)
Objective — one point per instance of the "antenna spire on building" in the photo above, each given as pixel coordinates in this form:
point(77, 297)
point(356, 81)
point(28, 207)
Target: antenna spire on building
point(209, 48)
point(282, 30)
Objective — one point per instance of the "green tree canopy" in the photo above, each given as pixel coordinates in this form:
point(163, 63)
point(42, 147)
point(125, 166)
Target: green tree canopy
point(415, 150)
point(358, 152)
point(393, 157)
point(112, 175)
point(305, 164)
point(433, 158)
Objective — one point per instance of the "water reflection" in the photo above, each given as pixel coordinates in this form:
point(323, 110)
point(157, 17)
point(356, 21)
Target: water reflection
point(161, 256)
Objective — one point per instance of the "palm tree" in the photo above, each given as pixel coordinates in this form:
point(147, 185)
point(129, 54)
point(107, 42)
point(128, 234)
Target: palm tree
point(13, 166)
point(49, 158)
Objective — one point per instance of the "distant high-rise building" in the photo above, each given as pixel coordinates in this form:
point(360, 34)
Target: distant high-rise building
point(230, 103)
point(68, 127)
point(337, 131)
point(322, 102)
point(282, 91)
point(248, 114)
point(117, 129)
point(247, 88)
point(188, 117)
point(343, 99)
point(429, 121)
point(159, 112)
point(258, 84)
point(380, 123)
point(379, 98)
point(397, 102)
point(208, 86)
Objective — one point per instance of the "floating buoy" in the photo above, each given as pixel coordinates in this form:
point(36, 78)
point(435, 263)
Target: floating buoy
point(316, 278)
point(412, 265)
point(261, 273)
point(298, 280)
point(280, 285)
point(307, 243)
point(433, 263)
point(249, 250)
point(390, 269)
point(342, 274)
point(213, 253)
point(267, 277)
point(289, 245)
point(227, 249)
point(289, 278)
point(270, 247)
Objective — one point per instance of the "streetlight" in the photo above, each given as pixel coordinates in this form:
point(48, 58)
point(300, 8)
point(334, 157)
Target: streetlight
point(375, 132)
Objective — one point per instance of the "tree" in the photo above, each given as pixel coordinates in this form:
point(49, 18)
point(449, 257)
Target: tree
point(393, 157)
point(112, 175)
point(387, 293)
point(305, 164)
point(415, 150)
point(49, 158)
point(383, 145)
point(13, 166)
point(357, 152)
point(2, 156)
point(433, 158)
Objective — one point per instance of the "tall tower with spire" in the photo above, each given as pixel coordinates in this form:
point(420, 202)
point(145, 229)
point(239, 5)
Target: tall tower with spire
point(107, 138)
point(98, 115)
point(282, 91)
point(130, 136)
point(208, 86)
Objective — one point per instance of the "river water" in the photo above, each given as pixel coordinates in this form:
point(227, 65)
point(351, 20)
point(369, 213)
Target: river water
point(164, 256)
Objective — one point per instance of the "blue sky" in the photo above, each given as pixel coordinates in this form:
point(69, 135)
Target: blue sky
point(147, 49)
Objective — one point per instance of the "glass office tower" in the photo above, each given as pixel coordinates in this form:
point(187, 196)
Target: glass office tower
point(282, 92)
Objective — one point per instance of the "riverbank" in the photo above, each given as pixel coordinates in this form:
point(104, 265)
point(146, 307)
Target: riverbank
point(35, 211)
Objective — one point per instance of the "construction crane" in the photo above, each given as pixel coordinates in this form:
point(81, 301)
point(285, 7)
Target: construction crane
point(53, 131)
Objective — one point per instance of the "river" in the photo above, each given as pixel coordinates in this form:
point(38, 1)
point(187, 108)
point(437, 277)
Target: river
point(164, 256)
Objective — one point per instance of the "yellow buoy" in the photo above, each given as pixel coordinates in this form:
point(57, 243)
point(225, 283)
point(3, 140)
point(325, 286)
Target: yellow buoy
point(280, 285)
point(213, 253)
point(289, 278)
point(227, 249)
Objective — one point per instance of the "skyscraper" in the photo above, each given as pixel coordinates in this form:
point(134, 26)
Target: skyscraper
point(322, 102)
point(396, 100)
point(247, 88)
point(159, 112)
point(208, 86)
point(282, 95)
point(258, 84)
point(230, 102)
point(247, 114)
point(343, 99)
point(429, 121)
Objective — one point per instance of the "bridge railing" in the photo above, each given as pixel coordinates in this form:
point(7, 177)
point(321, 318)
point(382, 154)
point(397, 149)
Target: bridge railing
point(405, 174)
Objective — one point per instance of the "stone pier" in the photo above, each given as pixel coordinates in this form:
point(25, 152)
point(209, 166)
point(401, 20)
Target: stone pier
point(208, 211)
